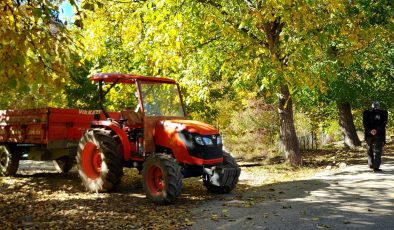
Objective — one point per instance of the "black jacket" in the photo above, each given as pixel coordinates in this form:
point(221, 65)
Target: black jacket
point(375, 119)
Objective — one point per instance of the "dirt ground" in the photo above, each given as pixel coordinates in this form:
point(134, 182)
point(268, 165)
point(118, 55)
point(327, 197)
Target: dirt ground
point(41, 198)
point(273, 196)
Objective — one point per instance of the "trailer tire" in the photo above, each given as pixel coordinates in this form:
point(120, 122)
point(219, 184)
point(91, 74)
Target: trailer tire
point(9, 161)
point(99, 160)
point(162, 179)
point(64, 164)
point(228, 161)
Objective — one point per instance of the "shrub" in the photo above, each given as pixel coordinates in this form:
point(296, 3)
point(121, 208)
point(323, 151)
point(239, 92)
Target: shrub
point(250, 131)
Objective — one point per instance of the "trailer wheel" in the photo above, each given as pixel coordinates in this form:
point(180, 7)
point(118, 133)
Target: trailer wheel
point(162, 179)
point(9, 162)
point(99, 160)
point(64, 164)
point(228, 161)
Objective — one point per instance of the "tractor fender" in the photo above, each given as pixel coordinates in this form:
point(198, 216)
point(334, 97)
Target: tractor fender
point(121, 134)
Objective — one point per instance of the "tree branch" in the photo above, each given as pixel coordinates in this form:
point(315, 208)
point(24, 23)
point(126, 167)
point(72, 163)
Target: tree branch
point(272, 31)
point(199, 46)
point(13, 15)
point(128, 2)
point(244, 31)
point(211, 3)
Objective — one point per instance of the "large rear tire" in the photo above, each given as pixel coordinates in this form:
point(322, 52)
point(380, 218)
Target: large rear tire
point(162, 179)
point(228, 162)
point(99, 160)
point(9, 161)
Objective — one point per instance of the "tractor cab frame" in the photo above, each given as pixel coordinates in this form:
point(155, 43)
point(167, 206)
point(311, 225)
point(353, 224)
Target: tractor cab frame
point(148, 111)
point(115, 78)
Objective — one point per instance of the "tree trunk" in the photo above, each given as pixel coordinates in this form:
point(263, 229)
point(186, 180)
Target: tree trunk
point(288, 136)
point(347, 125)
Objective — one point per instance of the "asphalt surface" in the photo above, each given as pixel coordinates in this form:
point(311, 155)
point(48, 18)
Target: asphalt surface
point(353, 197)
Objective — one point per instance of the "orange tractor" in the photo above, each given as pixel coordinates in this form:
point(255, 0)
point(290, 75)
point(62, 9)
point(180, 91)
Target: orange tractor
point(157, 139)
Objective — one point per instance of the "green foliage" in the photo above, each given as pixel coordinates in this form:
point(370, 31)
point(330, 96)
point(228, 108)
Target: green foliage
point(215, 48)
point(128, 37)
point(120, 97)
point(354, 63)
point(303, 124)
point(357, 48)
point(34, 53)
point(332, 130)
point(390, 123)
point(80, 91)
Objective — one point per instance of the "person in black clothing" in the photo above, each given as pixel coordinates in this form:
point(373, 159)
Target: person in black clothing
point(374, 121)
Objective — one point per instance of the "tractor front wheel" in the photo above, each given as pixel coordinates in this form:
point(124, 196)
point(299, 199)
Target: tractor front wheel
point(162, 179)
point(9, 162)
point(228, 162)
point(99, 160)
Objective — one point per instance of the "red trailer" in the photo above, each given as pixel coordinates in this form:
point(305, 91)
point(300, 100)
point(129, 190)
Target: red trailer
point(42, 134)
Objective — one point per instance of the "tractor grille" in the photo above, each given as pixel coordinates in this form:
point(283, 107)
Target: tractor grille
point(201, 151)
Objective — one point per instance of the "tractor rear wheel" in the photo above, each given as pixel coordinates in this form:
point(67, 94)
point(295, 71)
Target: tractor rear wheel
point(162, 179)
point(9, 162)
point(228, 162)
point(64, 164)
point(99, 160)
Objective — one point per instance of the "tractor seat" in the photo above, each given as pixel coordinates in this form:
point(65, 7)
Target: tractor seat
point(132, 117)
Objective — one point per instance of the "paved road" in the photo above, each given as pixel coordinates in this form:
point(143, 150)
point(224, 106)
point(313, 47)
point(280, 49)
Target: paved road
point(351, 198)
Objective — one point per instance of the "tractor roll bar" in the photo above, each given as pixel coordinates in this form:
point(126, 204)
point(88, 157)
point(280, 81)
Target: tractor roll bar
point(102, 95)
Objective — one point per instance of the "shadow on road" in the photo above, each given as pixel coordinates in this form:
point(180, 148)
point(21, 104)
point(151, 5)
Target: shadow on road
point(350, 199)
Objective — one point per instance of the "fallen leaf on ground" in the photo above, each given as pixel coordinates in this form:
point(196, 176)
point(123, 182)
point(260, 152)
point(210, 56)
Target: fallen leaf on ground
point(324, 226)
point(214, 217)
point(188, 222)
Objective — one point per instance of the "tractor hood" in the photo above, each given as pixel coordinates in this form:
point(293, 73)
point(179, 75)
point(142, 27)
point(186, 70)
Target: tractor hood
point(190, 126)
point(191, 142)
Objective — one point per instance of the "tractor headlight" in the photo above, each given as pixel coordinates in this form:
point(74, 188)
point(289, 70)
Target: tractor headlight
point(207, 141)
point(219, 140)
point(199, 140)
